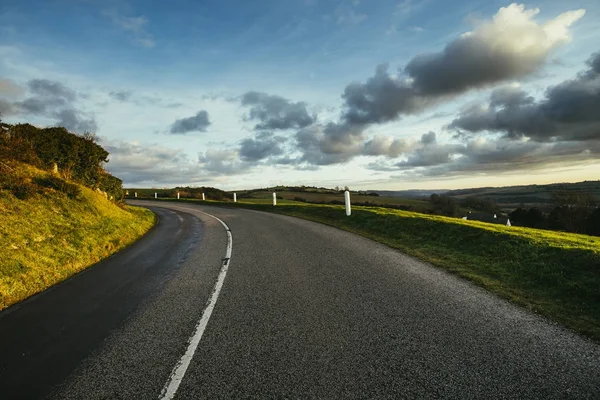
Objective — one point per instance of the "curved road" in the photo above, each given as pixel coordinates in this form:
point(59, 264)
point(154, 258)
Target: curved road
point(304, 311)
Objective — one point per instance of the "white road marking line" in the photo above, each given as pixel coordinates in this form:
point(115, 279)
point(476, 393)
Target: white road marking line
point(180, 369)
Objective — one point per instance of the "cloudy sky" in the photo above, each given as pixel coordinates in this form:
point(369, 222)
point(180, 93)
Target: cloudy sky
point(380, 94)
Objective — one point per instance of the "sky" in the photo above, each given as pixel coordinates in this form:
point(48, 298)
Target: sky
point(377, 94)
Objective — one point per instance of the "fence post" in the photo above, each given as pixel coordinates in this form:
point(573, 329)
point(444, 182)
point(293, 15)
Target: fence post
point(203, 198)
point(274, 199)
point(235, 198)
point(347, 201)
point(177, 195)
point(136, 194)
point(155, 195)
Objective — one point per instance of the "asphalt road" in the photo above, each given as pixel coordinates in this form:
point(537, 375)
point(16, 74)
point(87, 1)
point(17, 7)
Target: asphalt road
point(305, 311)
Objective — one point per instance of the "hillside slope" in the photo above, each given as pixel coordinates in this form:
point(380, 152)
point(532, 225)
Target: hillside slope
point(51, 228)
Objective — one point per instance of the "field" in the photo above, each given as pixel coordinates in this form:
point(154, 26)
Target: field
point(50, 236)
point(308, 195)
point(552, 273)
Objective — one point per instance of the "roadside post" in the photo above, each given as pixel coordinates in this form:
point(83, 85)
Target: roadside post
point(136, 195)
point(347, 201)
point(177, 195)
point(155, 195)
point(235, 198)
point(274, 199)
point(203, 198)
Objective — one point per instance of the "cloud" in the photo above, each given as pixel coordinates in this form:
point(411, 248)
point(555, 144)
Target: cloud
point(262, 146)
point(10, 89)
point(430, 153)
point(386, 146)
point(50, 99)
point(223, 162)
point(151, 164)
point(51, 90)
point(488, 156)
point(275, 112)
point(134, 25)
point(198, 123)
point(123, 95)
point(510, 46)
point(74, 121)
point(568, 112)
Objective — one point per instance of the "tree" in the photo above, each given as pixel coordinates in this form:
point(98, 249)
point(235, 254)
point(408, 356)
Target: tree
point(572, 210)
point(593, 223)
point(444, 205)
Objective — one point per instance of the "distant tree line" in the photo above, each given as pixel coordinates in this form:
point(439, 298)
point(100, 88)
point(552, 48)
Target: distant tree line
point(576, 212)
point(76, 157)
point(449, 206)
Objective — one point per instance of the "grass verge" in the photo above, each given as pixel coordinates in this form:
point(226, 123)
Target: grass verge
point(51, 236)
point(552, 273)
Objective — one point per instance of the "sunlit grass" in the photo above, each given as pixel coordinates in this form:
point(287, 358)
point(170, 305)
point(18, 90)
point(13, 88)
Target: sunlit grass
point(49, 237)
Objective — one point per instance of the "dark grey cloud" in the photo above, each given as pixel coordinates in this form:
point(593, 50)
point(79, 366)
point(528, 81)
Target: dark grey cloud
point(123, 95)
point(74, 121)
point(430, 153)
point(51, 99)
point(263, 145)
point(329, 144)
point(382, 98)
point(489, 155)
point(51, 90)
point(492, 53)
point(275, 112)
point(198, 123)
point(223, 162)
point(568, 112)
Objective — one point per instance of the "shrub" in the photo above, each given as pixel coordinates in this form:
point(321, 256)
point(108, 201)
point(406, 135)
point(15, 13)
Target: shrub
point(60, 185)
point(24, 190)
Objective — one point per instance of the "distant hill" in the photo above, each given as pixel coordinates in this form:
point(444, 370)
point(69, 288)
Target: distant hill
point(410, 193)
point(528, 195)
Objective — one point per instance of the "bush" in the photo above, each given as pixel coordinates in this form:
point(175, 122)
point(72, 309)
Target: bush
point(24, 190)
point(60, 185)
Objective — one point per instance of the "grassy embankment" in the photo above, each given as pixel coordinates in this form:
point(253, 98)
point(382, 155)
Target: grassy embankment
point(553, 273)
point(50, 235)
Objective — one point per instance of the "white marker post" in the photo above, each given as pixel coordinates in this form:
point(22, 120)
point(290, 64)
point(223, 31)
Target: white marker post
point(274, 199)
point(136, 194)
point(203, 198)
point(347, 200)
point(155, 195)
point(177, 195)
point(235, 198)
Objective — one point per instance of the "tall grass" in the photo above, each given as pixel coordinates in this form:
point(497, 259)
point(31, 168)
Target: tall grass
point(49, 236)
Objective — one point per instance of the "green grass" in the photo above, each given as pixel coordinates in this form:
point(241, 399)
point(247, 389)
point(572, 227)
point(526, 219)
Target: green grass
point(50, 236)
point(552, 273)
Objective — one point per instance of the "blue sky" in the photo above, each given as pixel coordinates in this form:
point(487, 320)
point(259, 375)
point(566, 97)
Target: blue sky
point(241, 94)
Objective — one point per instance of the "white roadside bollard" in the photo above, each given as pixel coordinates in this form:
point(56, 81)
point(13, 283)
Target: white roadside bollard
point(347, 200)
point(235, 198)
point(203, 198)
point(136, 194)
point(274, 199)
point(177, 195)
point(155, 195)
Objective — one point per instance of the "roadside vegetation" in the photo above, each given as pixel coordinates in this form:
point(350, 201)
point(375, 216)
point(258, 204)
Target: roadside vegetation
point(556, 274)
point(60, 212)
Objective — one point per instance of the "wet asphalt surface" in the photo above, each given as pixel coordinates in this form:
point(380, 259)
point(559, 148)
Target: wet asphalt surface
point(306, 311)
